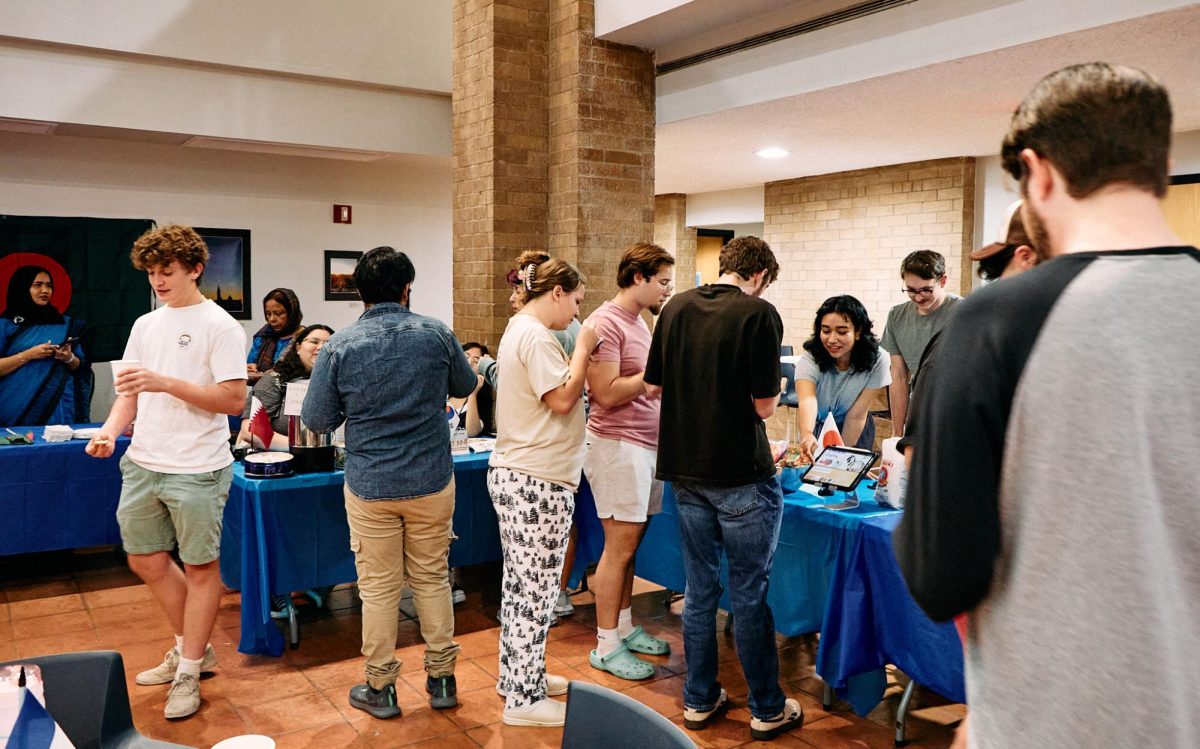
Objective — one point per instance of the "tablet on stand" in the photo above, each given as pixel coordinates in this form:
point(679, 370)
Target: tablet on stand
point(839, 468)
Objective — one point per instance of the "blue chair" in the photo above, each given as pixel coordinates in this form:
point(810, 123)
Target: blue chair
point(86, 695)
point(788, 398)
point(599, 718)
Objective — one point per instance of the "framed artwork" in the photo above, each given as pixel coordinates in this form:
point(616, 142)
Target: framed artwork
point(339, 276)
point(226, 278)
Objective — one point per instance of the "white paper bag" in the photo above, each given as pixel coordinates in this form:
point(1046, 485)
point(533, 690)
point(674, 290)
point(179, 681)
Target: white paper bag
point(893, 476)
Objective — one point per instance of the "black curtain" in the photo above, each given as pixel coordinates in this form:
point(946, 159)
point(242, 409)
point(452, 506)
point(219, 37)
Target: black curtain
point(108, 293)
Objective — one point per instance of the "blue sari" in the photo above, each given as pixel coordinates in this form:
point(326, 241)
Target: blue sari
point(43, 391)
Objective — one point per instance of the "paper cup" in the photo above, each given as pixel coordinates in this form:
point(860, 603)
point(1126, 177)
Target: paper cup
point(249, 741)
point(119, 366)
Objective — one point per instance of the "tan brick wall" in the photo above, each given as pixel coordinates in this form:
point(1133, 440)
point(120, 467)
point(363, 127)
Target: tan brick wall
point(847, 233)
point(553, 149)
point(672, 234)
point(601, 112)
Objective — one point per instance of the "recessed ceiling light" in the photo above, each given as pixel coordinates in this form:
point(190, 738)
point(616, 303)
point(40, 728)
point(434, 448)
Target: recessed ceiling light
point(771, 153)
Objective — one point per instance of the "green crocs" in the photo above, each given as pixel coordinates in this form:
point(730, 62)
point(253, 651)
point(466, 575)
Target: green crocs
point(639, 641)
point(622, 663)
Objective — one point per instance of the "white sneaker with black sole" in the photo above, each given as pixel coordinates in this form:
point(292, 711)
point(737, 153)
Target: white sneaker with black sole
point(790, 717)
point(697, 720)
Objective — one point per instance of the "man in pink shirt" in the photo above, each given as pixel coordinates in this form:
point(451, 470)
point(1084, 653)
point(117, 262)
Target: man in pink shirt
point(622, 453)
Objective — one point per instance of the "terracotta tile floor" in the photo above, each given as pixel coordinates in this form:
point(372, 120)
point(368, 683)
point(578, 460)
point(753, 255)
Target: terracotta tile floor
point(86, 600)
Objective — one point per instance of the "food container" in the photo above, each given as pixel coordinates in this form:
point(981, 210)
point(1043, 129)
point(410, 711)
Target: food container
point(313, 450)
point(265, 465)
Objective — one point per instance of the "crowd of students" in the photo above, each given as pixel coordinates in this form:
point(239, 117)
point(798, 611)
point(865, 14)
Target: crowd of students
point(999, 523)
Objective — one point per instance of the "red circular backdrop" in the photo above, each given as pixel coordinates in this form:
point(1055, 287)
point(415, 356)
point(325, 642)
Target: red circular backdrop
point(62, 281)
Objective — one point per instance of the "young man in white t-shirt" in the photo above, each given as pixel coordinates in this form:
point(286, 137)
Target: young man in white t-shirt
point(622, 454)
point(187, 371)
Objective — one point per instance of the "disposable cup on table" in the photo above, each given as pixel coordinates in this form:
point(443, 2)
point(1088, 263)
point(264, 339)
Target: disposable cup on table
point(119, 366)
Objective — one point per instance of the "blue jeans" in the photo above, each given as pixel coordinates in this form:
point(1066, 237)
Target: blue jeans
point(744, 522)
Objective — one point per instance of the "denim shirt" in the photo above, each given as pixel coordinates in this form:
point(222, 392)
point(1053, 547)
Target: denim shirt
point(388, 375)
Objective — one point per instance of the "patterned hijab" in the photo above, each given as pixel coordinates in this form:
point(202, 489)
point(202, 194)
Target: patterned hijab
point(20, 307)
point(271, 337)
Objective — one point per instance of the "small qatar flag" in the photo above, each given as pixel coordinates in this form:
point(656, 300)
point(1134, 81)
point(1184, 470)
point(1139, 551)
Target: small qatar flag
point(829, 435)
point(260, 424)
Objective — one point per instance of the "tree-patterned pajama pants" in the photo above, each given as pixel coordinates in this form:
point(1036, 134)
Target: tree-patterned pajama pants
point(535, 519)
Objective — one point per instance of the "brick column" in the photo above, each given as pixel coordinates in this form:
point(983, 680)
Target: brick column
point(553, 149)
point(672, 234)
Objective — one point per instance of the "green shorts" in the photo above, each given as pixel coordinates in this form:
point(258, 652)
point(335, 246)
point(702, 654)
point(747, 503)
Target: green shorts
point(157, 510)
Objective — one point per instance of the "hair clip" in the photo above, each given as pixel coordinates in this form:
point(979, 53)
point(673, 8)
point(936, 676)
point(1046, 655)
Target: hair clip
point(530, 270)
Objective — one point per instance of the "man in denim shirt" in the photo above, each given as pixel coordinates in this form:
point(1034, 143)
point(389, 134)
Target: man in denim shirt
point(387, 375)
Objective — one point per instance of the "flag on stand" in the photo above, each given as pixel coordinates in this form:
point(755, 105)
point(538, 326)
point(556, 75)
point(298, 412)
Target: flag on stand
point(34, 728)
point(829, 436)
point(261, 430)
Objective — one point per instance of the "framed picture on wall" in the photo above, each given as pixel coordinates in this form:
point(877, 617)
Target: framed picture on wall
point(339, 276)
point(226, 278)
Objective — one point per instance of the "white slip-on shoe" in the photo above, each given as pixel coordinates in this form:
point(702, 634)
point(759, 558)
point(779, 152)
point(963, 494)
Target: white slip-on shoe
point(543, 713)
point(556, 686)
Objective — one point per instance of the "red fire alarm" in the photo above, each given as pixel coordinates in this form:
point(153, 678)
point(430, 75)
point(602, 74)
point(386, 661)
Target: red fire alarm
point(341, 214)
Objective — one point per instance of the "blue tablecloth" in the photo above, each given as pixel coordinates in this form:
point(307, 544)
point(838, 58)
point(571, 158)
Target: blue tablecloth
point(53, 495)
point(871, 620)
point(811, 543)
point(291, 533)
point(834, 572)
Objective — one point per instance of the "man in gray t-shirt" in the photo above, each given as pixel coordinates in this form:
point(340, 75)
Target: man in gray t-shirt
point(911, 325)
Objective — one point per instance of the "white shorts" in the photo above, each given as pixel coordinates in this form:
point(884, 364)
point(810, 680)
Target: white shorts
point(621, 475)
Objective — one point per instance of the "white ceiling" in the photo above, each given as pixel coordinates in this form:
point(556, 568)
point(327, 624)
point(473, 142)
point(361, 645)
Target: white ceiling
point(959, 107)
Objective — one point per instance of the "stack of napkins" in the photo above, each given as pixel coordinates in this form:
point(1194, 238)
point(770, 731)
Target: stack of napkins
point(58, 433)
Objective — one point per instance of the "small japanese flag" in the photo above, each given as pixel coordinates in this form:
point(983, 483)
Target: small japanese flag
point(829, 435)
point(261, 430)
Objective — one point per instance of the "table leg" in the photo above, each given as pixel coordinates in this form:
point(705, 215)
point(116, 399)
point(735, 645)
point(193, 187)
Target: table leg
point(293, 628)
point(827, 697)
point(902, 711)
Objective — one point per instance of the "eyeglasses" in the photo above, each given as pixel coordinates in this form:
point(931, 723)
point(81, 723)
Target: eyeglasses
point(923, 291)
point(315, 341)
point(666, 283)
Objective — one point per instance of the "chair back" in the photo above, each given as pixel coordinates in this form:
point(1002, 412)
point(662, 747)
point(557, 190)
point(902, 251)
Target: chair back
point(599, 718)
point(788, 398)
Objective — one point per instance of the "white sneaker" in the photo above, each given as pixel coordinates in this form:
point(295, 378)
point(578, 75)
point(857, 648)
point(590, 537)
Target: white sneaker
point(164, 673)
point(547, 712)
point(697, 720)
point(563, 607)
point(457, 596)
point(791, 716)
point(556, 686)
point(184, 697)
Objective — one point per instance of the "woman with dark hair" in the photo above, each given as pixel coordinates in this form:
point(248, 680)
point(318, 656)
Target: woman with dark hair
point(43, 376)
point(475, 412)
point(841, 363)
point(296, 363)
point(532, 477)
point(281, 308)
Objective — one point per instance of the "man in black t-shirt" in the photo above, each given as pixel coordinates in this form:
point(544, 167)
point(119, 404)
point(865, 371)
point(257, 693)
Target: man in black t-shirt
point(715, 361)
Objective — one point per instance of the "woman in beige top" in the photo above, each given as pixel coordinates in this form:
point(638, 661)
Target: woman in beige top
point(534, 472)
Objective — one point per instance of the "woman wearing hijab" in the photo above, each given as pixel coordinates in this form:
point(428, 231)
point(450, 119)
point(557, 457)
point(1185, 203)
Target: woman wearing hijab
point(281, 308)
point(43, 376)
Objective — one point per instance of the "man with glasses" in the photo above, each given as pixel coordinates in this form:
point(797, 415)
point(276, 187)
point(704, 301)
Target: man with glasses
point(911, 325)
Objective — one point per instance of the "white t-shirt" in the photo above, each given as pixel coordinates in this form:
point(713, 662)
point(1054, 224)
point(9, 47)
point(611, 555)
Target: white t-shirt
point(531, 438)
point(201, 344)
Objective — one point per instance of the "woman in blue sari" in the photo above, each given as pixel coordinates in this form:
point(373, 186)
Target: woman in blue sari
point(43, 376)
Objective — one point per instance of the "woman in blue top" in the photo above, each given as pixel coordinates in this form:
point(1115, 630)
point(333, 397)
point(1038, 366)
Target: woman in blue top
point(281, 308)
point(840, 364)
point(43, 378)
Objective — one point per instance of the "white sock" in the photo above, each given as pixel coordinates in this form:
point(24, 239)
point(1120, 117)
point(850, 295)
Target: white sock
point(607, 641)
point(189, 666)
point(179, 643)
point(625, 622)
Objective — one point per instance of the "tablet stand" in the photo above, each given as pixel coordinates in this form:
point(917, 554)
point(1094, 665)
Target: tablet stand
point(849, 503)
